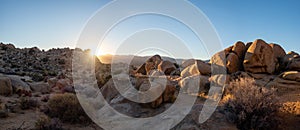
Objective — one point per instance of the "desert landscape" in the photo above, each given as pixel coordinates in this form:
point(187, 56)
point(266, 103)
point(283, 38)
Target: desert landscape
point(149, 65)
point(261, 90)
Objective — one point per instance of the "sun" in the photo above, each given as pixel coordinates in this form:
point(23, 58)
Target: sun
point(100, 52)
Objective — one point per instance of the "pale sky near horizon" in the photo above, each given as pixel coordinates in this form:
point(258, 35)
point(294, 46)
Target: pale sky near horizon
point(58, 23)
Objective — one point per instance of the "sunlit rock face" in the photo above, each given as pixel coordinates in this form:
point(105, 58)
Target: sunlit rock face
point(259, 58)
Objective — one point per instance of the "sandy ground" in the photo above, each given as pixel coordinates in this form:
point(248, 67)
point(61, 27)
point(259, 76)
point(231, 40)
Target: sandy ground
point(25, 119)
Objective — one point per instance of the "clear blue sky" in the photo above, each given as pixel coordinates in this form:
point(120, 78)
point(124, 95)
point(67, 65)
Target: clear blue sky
point(57, 23)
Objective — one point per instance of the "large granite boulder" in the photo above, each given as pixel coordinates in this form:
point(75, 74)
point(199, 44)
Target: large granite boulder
point(190, 71)
point(219, 80)
point(193, 83)
point(239, 49)
point(233, 63)
point(19, 86)
point(218, 63)
point(203, 68)
point(41, 87)
point(156, 87)
point(294, 64)
point(5, 86)
point(187, 63)
point(259, 58)
point(291, 61)
point(279, 54)
point(167, 67)
point(199, 67)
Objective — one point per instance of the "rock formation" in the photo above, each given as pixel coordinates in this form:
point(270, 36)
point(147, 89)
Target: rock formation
point(259, 58)
point(36, 73)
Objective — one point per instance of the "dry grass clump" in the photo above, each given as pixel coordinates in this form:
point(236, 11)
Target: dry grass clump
point(46, 123)
point(250, 106)
point(67, 108)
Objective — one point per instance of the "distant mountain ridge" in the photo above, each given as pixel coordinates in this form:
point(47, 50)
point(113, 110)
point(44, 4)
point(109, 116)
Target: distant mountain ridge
point(135, 60)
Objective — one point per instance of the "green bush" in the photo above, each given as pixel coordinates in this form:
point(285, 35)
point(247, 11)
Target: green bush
point(67, 108)
point(251, 106)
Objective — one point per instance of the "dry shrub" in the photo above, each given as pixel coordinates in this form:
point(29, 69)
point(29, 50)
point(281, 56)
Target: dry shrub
point(27, 103)
point(250, 106)
point(67, 108)
point(46, 123)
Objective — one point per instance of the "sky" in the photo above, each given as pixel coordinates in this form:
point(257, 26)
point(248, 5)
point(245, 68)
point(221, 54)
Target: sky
point(59, 23)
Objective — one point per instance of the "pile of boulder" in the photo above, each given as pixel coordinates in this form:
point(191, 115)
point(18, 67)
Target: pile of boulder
point(34, 72)
point(33, 62)
point(267, 63)
point(30, 70)
point(156, 63)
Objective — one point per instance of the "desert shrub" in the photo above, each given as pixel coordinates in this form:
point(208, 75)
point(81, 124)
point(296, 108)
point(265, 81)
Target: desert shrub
point(37, 77)
point(46, 123)
point(67, 108)
point(250, 106)
point(27, 102)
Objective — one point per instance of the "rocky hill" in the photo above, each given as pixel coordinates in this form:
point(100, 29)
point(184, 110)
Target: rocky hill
point(34, 62)
point(135, 60)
